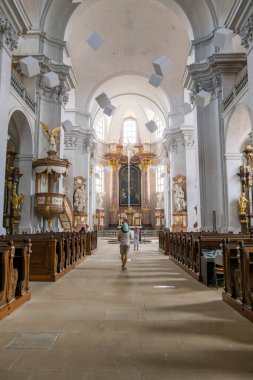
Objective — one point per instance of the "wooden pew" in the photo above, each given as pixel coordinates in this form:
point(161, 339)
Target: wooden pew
point(162, 240)
point(22, 263)
point(91, 242)
point(186, 249)
point(14, 272)
point(238, 273)
point(53, 254)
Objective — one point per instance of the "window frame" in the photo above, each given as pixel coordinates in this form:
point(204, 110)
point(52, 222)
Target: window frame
point(160, 179)
point(99, 182)
point(132, 135)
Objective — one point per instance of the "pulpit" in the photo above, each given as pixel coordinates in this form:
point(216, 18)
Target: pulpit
point(48, 201)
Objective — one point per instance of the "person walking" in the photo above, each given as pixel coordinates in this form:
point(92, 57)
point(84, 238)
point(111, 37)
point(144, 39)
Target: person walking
point(136, 238)
point(124, 238)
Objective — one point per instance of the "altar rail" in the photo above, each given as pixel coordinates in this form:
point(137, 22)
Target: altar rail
point(14, 275)
point(55, 253)
point(114, 233)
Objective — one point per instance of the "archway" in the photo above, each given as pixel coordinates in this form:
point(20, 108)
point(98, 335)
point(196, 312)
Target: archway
point(236, 139)
point(21, 142)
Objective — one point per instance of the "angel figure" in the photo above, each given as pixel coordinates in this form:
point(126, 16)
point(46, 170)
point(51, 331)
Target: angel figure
point(242, 203)
point(51, 136)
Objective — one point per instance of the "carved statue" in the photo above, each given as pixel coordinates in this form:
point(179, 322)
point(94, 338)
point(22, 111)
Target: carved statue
point(243, 203)
point(159, 200)
point(80, 198)
point(51, 136)
point(179, 201)
point(99, 200)
point(16, 201)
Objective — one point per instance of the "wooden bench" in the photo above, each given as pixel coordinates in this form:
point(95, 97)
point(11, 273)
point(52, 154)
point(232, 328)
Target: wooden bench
point(238, 274)
point(56, 253)
point(14, 275)
point(186, 249)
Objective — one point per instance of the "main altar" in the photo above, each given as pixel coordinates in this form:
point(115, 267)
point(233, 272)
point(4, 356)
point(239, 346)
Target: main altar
point(130, 195)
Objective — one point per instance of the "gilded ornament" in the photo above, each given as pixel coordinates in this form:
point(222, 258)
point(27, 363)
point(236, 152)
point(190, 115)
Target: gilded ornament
point(113, 163)
point(146, 163)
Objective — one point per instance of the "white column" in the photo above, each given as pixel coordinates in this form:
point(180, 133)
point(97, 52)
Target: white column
point(211, 164)
point(167, 210)
point(8, 41)
point(190, 182)
point(87, 170)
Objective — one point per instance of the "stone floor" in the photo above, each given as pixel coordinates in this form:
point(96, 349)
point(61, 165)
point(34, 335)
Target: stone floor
point(152, 322)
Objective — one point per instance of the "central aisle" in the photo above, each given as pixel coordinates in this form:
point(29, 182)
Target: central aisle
point(152, 322)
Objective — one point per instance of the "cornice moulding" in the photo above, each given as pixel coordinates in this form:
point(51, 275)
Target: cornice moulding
point(202, 40)
point(44, 36)
point(233, 156)
point(65, 72)
point(222, 63)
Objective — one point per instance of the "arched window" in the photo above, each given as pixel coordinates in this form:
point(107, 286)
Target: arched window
point(159, 131)
point(160, 178)
point(99, 179)
point(129, 131)
point(99, 128)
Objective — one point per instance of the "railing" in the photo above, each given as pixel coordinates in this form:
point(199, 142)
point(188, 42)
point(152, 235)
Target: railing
point(114, 233)
point(239, 85)
point(108, 233)
point(20, 89)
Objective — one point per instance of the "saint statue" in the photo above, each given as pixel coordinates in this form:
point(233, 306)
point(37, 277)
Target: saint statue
point(99, 200)
point(159, 200)
point(80, 198)
point(243, 203)
point(179, 201)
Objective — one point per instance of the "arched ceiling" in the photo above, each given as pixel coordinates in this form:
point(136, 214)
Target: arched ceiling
point(135, 33)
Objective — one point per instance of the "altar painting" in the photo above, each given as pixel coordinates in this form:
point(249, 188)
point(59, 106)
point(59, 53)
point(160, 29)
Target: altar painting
point(135, 186)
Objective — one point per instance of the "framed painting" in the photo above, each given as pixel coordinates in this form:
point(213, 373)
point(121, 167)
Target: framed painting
point(134, 188)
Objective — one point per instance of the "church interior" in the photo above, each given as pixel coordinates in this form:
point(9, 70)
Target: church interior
point(137, 111)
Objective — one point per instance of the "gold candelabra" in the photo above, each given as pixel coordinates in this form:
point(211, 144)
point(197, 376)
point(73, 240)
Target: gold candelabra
point(113, 209)
point(146, 208)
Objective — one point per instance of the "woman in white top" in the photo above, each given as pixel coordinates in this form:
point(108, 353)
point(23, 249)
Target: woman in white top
point(124, 238)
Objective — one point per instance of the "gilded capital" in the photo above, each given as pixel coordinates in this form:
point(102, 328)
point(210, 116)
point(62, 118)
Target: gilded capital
point(113, 163)
point(146, 163)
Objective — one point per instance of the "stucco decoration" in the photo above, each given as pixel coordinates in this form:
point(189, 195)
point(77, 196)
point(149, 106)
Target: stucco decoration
point(7, 33)
point(246, 32)
point(80, 195)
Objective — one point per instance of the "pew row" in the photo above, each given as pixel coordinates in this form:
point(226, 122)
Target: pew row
point(186, 249)
point(238, 276)
point(54, 254)
point(14, 275)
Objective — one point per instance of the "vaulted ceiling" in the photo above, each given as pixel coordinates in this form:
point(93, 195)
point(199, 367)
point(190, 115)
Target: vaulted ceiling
point(135, 33)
